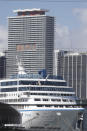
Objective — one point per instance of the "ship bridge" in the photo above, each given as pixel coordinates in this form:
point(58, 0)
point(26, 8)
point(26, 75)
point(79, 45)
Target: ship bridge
point(9, 115)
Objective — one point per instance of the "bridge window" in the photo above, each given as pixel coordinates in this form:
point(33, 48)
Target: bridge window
point(28, 82)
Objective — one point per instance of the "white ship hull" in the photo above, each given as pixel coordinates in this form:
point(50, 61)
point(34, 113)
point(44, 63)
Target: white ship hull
point(54, 119)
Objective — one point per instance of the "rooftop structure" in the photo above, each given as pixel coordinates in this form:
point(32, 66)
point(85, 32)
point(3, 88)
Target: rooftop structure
point(33, 11)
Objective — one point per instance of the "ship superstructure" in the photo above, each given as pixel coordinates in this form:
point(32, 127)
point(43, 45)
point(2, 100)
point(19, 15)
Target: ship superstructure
point(44, 101)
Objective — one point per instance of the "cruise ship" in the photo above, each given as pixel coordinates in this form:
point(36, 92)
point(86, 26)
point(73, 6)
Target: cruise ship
point(45, 102)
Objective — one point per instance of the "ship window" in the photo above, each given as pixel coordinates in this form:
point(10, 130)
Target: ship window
point(23, 88)
point(8, 83)
point(53, 99)
point(71, 100)
point(62, 94)
point(37, 99)
point(39, 105)
point(67, 106)
point(61, 106)
point(64, 100)
point(27, 82)
point(45, 99)
point(53, 83)
point(45, 89)
point(8, 89)
point(49, 94)
point(15, 100)
point(3, 95)
point(55, 105)
point(10, 100)
point(33, 94)
point(47, 105)
point(3, 83)
point(58, 99)
point(65, 94)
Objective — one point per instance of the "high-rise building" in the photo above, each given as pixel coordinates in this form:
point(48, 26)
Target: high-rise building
point(31, 38)
point(2, 65)
point(58, 60)
point(73, 68)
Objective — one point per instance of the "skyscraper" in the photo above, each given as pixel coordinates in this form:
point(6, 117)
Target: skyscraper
point(72, 66)
point(75, 72)
point(58, 61)
point(31, 38)
point(2, 65)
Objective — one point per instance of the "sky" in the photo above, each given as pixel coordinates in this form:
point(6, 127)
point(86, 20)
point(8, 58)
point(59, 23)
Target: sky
point(70, 21)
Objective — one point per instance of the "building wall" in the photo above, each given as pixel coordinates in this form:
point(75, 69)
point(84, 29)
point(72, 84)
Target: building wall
point(31, 38)
point(2, 66)
point(73, 68)
point(58, 62)
point(75, 73)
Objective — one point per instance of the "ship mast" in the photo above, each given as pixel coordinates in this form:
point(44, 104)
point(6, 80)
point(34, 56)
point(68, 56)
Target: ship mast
point(21, 70)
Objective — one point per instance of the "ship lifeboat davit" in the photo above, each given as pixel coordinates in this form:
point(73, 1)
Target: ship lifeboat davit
point(9, 115)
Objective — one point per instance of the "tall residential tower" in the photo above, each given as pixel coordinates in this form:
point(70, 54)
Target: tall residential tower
point(2, 64)
point(31, 38)
point(72, 66)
